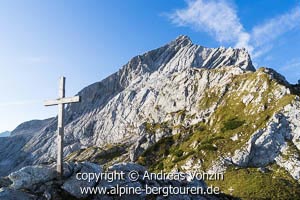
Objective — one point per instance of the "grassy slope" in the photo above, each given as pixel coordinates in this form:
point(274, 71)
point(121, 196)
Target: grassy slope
point(206, 142)
point(251, 184)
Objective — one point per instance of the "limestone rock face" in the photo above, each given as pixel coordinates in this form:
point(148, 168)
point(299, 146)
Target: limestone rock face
point(13, 154)
point(31, 127)
point(264, 145)
point(180, 89)
point(31, 176)
point(114, 109)
point(72, 185)
point(42, 179)
point(270, 144)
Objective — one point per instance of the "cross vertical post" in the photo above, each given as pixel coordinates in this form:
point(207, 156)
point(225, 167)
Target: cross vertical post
point(61, 101)
point(60, 128)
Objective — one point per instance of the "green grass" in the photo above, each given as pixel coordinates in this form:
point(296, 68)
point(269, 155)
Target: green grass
point(209, 99)
point(156, 153)
point(252, 184)
point(232, 124)
point(210, 140)
point(178, 153)
point(292, 151)
point(97, 154)
point(154, 127)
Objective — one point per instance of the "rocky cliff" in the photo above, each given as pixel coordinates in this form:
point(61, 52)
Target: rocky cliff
point(179, 107)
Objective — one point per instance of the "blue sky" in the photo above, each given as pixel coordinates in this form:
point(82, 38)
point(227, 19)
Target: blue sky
point(88, 40)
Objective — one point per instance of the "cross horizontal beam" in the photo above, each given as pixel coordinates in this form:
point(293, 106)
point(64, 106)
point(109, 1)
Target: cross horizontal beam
point(65, 100)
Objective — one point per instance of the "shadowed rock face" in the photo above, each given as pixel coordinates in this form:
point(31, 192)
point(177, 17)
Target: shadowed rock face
point(152, 88)
point(31, 127)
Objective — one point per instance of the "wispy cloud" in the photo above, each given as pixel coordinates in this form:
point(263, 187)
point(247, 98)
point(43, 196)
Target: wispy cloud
point(264, 34)
point(261, 50)
point(275, 27)
point(219, 18)
point(292, 69)
point(292, 65)
point(18, 103)
point(35, 59)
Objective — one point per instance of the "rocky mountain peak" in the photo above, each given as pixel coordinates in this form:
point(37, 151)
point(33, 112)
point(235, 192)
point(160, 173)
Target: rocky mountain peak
point(183, 53)
point(175, 56)
point(180, 107)
point(182, 40)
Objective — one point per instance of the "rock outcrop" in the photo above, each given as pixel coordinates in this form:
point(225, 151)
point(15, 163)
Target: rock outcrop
point(39, 182)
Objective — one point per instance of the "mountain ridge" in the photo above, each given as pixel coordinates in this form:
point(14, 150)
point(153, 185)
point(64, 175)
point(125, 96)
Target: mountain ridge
point(179, 106)
point(5, 134)
point(177, 55)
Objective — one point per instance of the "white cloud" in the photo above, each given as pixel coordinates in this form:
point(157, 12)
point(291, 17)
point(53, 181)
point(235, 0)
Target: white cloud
point(216, 17)
point(19, 103)
point(276, 26)
point(35, 59)
point(219, 19)
point(261, 50)
point(292, 65)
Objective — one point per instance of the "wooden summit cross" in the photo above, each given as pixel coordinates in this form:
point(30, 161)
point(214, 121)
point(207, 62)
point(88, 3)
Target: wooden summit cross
point(61, 101)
